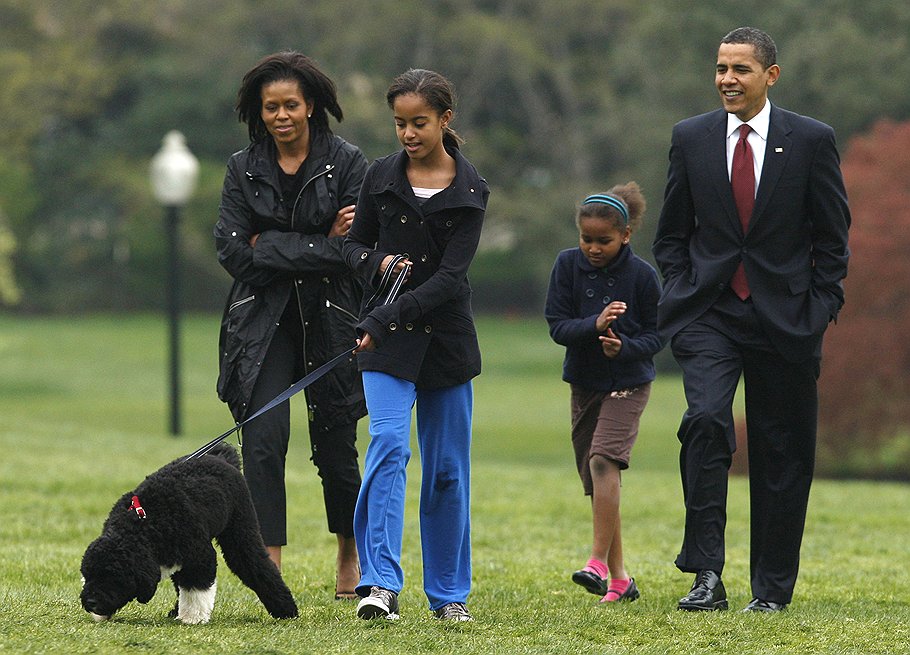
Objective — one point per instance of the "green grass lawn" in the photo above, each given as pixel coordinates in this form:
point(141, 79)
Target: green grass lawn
point(83, 406)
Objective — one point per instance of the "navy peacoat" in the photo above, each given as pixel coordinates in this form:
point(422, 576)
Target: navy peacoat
point(427, 334)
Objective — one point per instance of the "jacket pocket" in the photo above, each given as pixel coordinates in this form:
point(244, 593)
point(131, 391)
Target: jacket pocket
point(232, 344)
point(799, 284)
point(332, 306)
point(239, 303)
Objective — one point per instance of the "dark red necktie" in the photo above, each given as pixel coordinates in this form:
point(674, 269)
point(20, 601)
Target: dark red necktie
point(742, 177)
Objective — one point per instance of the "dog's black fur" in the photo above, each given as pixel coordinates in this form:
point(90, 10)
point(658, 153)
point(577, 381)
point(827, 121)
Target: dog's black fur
point(185, 504)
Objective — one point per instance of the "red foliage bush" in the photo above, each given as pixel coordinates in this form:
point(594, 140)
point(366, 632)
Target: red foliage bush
point(864, 388)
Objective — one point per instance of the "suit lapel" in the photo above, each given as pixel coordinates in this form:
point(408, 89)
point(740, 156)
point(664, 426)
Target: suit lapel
point(777, 150)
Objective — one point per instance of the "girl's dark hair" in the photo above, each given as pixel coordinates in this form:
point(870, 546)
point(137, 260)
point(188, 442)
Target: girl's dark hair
point(630, 194)
point(287, 65)
point(435, 89)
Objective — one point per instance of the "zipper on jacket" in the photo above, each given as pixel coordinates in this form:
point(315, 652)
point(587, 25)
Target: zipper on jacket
point(329, 303)
point(243, 301)
point(328, 169)
point(306, 365)
point(311, 410)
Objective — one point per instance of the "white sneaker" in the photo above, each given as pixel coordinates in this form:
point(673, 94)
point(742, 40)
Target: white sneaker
point(380, 604)
point(454, 612)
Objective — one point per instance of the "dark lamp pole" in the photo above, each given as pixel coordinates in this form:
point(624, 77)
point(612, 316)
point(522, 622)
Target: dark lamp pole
point(173, 173)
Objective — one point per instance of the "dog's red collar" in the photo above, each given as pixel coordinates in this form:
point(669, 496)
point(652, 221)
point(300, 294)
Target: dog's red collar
point(137, 508)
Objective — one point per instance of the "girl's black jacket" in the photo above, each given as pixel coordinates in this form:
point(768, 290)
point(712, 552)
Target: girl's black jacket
point(293, 260)
point(427, 334)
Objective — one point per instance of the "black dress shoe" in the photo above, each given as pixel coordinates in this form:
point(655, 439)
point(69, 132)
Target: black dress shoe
point(759, 605)
point(707, 593)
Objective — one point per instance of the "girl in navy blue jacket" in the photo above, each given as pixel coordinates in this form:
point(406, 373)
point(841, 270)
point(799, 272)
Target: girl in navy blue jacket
point(602, 306)
point(425, 203)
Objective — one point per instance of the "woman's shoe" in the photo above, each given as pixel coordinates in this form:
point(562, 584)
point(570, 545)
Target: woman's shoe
point(347, 554)
point(346, 595)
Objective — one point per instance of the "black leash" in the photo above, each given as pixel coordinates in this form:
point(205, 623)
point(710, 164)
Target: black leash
point(295, 388)
point(389, 288)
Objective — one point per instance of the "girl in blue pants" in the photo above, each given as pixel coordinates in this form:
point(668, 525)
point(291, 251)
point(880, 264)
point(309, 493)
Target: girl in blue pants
point(420, 213)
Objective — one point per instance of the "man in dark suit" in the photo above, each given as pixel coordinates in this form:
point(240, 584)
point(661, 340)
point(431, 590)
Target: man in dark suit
point(752, 246)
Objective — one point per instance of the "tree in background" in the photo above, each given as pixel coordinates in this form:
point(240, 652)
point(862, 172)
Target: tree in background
point(865, 383)
point(556, 99)
point(10, 294)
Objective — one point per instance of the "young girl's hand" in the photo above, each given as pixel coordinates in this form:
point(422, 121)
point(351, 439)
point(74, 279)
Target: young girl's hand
point(364, 343)
point(610, 313)
point(388, 259)
point(611, 344)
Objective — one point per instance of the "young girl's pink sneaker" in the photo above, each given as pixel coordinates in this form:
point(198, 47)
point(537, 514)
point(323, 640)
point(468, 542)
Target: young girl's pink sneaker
point(621, 590)
point(593, 577)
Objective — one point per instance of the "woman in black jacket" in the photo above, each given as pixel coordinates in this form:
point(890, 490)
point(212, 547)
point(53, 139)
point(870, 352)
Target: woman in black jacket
point(286, 206)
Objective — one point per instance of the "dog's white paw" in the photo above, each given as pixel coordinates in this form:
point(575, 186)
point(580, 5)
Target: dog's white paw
point(194, 606)
point(191, 618)
point(98, 618)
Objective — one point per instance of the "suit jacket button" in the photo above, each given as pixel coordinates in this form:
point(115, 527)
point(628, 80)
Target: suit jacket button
point(589, 293)
point(427, 328)
point(393, 326)
point(404, 219)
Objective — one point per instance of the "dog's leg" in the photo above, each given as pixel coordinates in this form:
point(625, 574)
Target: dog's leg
point(174, 612)
point(196, 585)
point(194, 606)
point(245, 554)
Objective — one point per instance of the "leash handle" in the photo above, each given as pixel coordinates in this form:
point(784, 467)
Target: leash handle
point(389, 288)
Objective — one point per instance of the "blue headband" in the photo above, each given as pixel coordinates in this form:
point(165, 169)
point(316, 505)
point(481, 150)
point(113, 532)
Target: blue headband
point(615, 203)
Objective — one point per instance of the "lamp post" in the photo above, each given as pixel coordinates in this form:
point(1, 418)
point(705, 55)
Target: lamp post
point(173, 173)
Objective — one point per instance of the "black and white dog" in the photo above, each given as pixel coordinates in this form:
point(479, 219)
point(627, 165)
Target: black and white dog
point(165, 529)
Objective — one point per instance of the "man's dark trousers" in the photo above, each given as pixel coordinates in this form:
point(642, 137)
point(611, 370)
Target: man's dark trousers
point(781, 412)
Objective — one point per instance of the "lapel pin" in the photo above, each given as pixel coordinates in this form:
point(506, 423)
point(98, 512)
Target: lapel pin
point(778, 150)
